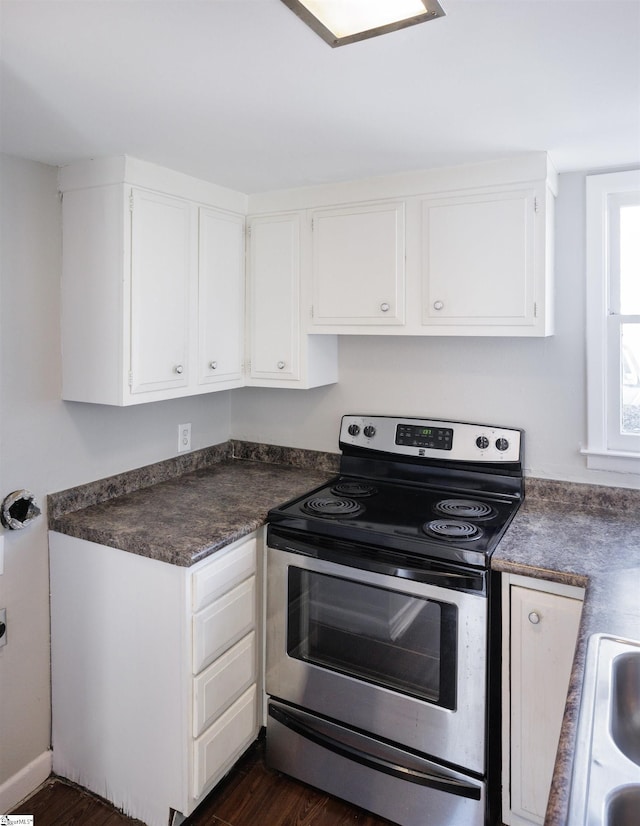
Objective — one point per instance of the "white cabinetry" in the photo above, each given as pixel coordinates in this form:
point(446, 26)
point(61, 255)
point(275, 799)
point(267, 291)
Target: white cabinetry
point(220, 298)
point(358, 263)
point(161, 284)
point(540, 628)
point(464, 250)
point(279, 355)
point(152, 284)
point(484, 266)
point(156, 672)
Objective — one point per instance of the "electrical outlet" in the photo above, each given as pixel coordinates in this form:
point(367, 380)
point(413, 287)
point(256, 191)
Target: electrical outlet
point(3, 626)
point(184, 437)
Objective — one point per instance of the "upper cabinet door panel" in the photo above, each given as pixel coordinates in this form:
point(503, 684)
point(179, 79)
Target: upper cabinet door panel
point(274, 279)
point(161, 263)
point(479, 259)
point(220, 296)
point(358, 263)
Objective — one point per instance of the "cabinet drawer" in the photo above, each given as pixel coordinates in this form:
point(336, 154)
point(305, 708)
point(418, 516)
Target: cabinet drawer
point(218, 626)
point(223, 573)
point(217, 749)
point(223, 682)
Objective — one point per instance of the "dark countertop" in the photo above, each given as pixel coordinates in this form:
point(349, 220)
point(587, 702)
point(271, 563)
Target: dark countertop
point(184, 509)
point(184, 518)
point(586, 536)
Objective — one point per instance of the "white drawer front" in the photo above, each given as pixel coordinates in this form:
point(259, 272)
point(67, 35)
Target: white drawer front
point(220, 625)
point(221, 744)
point(223, 682)
point(223, 573)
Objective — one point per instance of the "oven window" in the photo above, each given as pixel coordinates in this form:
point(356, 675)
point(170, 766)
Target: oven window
point(396, 640)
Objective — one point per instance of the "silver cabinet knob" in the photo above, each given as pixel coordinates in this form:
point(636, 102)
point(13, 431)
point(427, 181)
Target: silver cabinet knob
point(213, 364)
point(281, 365)
point(438, 305)
point(178, 368)
point(385, 307)
point(534, 617)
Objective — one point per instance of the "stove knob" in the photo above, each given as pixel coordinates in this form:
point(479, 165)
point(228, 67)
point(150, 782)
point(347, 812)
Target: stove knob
point(353, 430)
point(369, 431)
point(482, 442)
point(502, 444)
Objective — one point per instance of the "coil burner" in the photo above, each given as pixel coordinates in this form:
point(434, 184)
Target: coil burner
point(452, 529)
point(464, 509)
point(354, 488)
point(332, 507)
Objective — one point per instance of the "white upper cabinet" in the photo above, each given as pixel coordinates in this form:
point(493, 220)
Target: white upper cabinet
point(279, 356)
point(274, 289)
point(152, 284)
point(155, 265)
point(358, 265)
point(161, 262)
point(456, 251)
point(220, 297)
point(481, 267)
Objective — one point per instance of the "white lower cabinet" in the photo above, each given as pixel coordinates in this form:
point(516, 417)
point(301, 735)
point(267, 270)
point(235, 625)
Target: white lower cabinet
point(156, 672)
point(223, 682)
point(222, 623)
point(540, 629)
point(223, 742)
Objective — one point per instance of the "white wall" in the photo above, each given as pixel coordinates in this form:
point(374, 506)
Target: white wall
point(536, 384)
point(48, 445)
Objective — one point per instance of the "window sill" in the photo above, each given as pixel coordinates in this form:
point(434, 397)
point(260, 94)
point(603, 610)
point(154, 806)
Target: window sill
point(618, 461)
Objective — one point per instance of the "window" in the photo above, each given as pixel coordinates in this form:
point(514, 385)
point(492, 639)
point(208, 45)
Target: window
point(613, 321)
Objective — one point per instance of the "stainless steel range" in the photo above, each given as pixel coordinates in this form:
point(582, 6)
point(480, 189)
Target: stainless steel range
point(381, 627)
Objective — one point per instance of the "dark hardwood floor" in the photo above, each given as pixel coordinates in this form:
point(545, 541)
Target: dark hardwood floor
point(251, 795)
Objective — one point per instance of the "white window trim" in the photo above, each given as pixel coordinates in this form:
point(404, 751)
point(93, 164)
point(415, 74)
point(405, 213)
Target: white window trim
point(600, 456)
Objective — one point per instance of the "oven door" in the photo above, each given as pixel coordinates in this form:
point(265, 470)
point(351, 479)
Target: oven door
point(401, 659)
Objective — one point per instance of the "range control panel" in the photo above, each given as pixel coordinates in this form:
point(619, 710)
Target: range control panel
point(432, 438)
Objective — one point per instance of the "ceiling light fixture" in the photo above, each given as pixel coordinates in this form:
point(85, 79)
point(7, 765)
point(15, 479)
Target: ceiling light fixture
point(339, 22)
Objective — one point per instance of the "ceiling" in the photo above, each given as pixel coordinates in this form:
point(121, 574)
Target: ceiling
point(242, 93)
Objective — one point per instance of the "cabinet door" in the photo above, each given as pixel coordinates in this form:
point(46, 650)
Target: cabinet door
point(478, 259)
point(223, 572)
point(219, 685)
point(218, 626)
point(160, 291)
point(544, 630)
point(221, 297)
point(274, 287)
point(358, 264)
point(220, 746)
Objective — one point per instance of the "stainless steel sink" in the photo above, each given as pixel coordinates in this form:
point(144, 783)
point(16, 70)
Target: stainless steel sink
point(625, 708)
point(623, 808)
point(605, 788)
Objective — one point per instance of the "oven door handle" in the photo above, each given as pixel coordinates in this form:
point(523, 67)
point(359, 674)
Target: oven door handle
point(421, 778)
point(460, 581)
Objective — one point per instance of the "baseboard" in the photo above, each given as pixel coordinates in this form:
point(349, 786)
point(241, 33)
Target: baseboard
point(24, 782)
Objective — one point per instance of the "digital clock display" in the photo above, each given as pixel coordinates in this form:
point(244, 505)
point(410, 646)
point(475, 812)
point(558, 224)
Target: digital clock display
point(434, 438)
